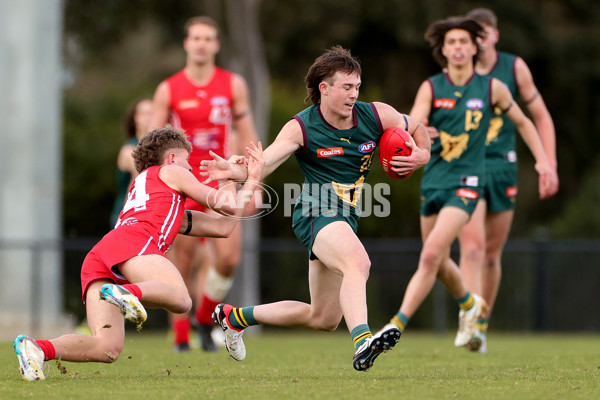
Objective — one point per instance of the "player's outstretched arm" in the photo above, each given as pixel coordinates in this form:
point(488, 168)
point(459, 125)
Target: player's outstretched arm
point(288, 141)
point(205, 225)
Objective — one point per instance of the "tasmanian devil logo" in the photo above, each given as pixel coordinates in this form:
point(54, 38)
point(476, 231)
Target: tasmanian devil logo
point(367, 147)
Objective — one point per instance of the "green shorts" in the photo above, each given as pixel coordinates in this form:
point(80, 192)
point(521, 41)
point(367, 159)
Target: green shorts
point(308, 222)
point(433, 200)
point(500, 190)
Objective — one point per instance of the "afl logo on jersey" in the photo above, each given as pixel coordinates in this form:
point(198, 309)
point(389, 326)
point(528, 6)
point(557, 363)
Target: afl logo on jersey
point(474, 104)
point(367, 147)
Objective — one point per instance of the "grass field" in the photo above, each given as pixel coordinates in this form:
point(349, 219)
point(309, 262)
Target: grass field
point(318, 366)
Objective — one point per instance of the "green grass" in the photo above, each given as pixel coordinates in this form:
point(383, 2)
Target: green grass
point(294, 365)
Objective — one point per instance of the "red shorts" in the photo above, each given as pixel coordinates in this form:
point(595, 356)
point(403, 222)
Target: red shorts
point(117, 246)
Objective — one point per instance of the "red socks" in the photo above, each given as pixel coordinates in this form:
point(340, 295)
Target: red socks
point(182, 327)
point(134, 290)
point(48, 349)
point(204, 312)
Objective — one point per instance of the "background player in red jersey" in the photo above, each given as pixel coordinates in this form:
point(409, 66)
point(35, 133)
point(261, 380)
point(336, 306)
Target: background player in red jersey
point(205, 101)
point(128, 267)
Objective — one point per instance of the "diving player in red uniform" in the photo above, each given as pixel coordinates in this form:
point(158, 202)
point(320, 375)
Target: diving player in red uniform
point(128, 268)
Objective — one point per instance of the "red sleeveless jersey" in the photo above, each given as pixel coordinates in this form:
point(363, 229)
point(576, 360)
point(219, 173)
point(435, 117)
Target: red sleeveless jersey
point(154, 207)
point(204, 113)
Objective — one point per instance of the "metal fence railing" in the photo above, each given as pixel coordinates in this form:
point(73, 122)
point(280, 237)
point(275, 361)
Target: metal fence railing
point(547, 285)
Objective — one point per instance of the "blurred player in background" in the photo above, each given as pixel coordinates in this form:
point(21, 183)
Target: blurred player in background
point(205, 101)
point(326, 139)
point(127, 270)
point(458, 105)
point(482, 239)
point(137, 124)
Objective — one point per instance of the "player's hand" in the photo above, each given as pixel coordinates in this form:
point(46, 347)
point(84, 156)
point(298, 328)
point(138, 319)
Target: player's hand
point(418, 158)
point(256, 162)
point(216, 169)
point(431, 130)
point(235, 159)
point(547, 180)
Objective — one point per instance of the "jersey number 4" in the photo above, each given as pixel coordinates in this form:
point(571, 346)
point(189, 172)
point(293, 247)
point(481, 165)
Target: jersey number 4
point(137, 196)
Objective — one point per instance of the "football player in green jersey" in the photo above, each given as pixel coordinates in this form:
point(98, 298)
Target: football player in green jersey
point(457, 104)
point(334, 142)
point(483, 238)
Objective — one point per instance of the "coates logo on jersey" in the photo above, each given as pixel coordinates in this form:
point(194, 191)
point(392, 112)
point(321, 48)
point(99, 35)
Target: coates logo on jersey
point(512, 191)
point(262, 201)
point(474, 104)
point(444, 103)
point(335, 151)
point(367, 147)
point(467, 193)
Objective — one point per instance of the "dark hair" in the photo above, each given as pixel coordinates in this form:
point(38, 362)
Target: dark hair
point(335, 59)
point(436, 33)
point(152, 147)
point(200, 20)
point(484, 16)
point(130, 128)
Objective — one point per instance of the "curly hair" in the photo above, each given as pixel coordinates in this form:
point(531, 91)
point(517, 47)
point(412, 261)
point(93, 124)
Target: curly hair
point(335, 59)
point(152, 148)
point(436, 33)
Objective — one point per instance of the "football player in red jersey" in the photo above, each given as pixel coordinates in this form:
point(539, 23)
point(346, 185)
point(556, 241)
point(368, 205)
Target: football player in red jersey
point(206, 102)
point(128, 268)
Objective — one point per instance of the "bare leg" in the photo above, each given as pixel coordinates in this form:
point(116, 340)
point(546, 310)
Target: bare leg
point(107, 330)
point(497, 230)
point(337, 285)
point(439, 231)
point(472, 249)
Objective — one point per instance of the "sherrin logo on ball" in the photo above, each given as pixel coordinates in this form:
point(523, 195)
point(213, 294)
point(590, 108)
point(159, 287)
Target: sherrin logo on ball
point(393, 143)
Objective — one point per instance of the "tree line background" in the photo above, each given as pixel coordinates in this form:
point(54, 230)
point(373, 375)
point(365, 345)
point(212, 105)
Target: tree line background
point(117, 51)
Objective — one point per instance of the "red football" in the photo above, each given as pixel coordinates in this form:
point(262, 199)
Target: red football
point(393, 143)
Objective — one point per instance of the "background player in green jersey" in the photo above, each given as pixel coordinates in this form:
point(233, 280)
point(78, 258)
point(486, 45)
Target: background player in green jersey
point(326, 138)
point(483, 238)
point(456, 104)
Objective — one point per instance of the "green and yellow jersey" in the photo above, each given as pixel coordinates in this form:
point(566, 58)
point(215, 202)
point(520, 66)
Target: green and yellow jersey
point(500, 142)
point(335, 162)
point(461, 114)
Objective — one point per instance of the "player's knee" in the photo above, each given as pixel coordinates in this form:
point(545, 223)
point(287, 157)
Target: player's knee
point(228, 263)
point(430, 260)
point(180, 303)
point(326, 324)
point(473, 253)
point(492, 260)
point(361, 267)
point(110, 352)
